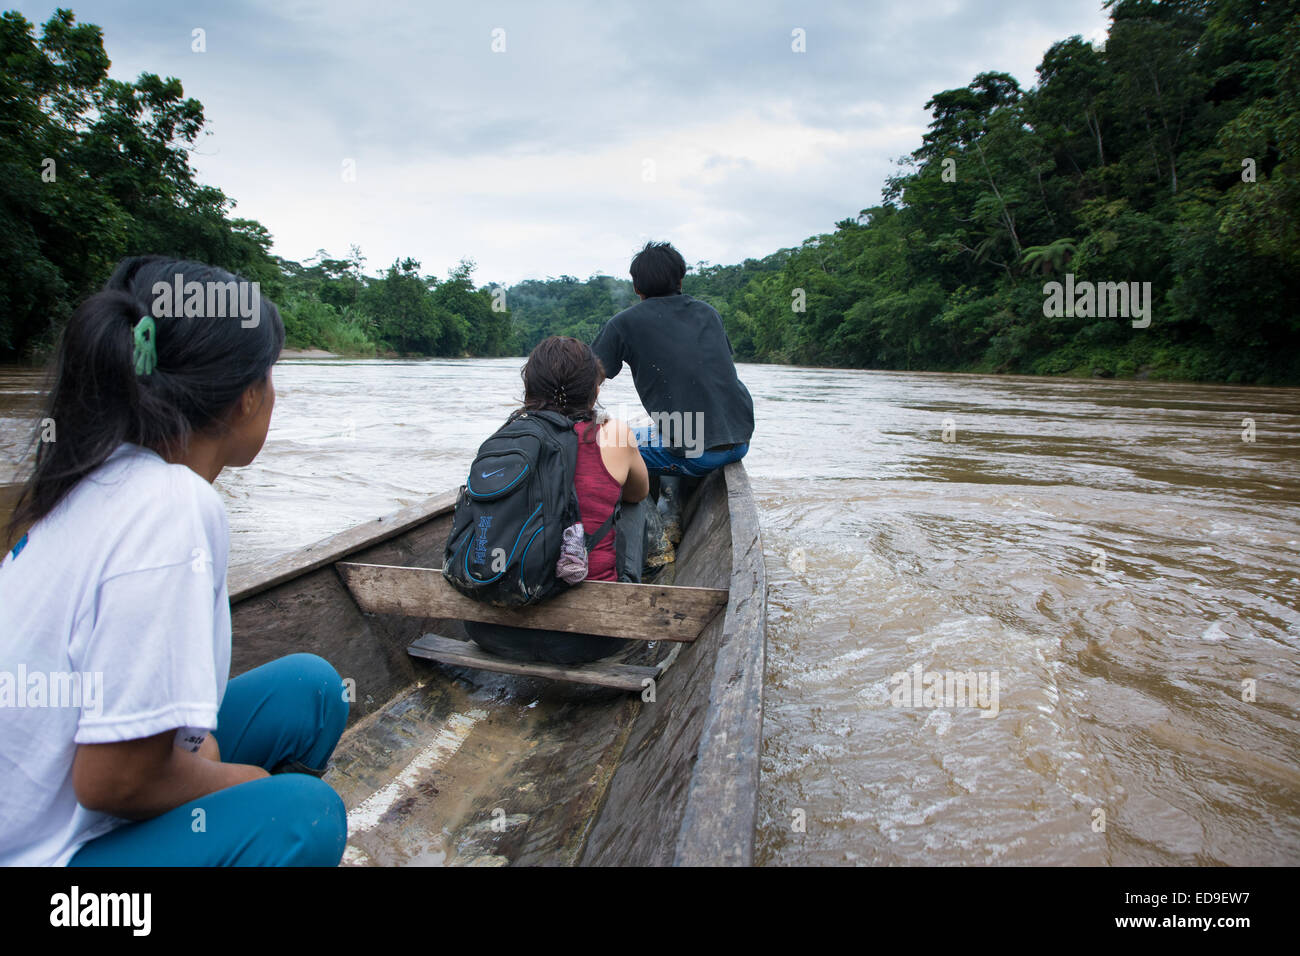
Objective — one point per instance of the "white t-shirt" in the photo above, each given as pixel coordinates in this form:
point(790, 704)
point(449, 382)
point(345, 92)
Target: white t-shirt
point(114, 625)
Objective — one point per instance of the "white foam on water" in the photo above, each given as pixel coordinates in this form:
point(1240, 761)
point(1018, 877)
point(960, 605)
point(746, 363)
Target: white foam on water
point(1215, 632)
point(837, 670)
point(940, 721)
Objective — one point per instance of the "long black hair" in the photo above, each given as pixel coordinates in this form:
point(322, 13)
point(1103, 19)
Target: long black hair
point(562, 375)
point(206, 359)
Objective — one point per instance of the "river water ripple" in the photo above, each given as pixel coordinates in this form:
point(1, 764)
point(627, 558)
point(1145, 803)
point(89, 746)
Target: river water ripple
point(1116, 555)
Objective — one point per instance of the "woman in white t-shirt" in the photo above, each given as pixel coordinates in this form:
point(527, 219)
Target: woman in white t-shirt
point(122, 742)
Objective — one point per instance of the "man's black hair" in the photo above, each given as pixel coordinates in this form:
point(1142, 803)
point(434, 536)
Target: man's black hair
point(658, 269)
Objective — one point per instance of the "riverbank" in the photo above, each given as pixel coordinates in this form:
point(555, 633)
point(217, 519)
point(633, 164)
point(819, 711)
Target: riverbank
point(307, 354)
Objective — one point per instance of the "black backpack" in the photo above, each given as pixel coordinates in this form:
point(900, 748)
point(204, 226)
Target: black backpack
point(510, 517)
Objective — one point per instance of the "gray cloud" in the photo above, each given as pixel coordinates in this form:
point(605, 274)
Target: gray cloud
point(534, 161)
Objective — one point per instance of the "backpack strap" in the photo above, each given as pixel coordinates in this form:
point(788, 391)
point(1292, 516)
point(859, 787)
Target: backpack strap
point(569, 438)
point(595, 538)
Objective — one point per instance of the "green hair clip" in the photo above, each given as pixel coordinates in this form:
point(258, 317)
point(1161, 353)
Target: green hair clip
point(146, 353)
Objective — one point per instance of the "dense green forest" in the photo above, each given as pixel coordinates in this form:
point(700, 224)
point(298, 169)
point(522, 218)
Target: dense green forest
point(1168, 156)
point(1171, 156)
point(93, 169)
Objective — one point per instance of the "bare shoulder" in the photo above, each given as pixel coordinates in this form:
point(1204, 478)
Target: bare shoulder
point(615, 432)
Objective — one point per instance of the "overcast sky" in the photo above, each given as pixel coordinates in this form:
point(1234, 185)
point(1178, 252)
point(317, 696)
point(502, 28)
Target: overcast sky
point(598, 126)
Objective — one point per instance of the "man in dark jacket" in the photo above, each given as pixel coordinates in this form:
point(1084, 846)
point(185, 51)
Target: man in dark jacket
point(680, 356)
point(681, 363)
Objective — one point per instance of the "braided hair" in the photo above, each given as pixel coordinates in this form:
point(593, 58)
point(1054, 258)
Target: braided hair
point(562, 375)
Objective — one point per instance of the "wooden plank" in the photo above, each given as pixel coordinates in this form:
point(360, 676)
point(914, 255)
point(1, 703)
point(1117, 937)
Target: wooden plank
point(722, 806)
point(248, 579)
point(642, 816)
point(465, 654)
point(647, 612)
point(8, 499)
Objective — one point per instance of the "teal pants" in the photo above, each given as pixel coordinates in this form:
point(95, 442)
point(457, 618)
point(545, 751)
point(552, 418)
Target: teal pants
point(286, 717)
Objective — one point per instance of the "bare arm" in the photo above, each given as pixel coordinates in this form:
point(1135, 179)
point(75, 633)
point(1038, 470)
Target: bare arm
point(637, 485)
point(622, 456)
point(209, 748)
point(140, 779)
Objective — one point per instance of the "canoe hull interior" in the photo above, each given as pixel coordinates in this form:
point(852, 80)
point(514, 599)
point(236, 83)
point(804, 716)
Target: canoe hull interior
point(448, 765)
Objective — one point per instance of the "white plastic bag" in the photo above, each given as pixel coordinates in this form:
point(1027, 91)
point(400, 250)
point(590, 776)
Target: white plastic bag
point(572, 565)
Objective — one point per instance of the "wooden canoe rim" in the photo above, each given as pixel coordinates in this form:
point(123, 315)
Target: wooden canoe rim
point(246, 580)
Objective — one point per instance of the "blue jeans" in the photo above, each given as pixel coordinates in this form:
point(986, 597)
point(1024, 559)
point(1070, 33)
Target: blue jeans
point(286, 717)
point(659, 461)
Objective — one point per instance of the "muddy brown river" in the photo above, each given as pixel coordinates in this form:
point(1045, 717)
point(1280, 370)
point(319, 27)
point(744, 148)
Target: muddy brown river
point(1011, 620)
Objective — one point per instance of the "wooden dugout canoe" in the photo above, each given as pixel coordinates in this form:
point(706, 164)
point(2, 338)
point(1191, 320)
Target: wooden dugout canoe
point(449, 765)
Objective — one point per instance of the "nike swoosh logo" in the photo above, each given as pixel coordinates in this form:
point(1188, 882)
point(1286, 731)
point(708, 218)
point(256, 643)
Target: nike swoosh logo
point(484, 474)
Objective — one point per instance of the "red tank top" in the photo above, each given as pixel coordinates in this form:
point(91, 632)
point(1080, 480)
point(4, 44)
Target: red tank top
point(598, 493)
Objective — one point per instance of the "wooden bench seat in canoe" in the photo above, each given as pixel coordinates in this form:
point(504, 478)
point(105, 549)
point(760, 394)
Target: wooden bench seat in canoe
point(647, 612)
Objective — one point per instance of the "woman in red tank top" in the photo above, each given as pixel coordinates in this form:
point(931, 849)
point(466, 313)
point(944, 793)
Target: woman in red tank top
point(599, 493)
point(563, 375)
